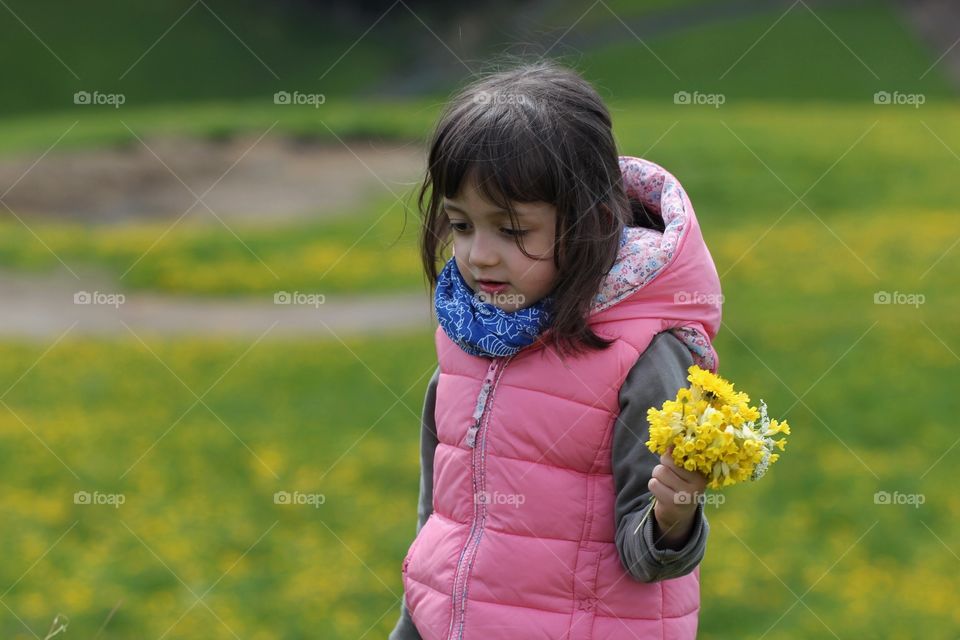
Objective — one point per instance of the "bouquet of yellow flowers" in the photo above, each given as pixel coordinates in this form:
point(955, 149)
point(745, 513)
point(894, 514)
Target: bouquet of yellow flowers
point(714, 430)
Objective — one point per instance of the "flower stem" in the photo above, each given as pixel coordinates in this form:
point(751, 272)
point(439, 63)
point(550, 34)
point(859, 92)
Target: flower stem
point(653, 502)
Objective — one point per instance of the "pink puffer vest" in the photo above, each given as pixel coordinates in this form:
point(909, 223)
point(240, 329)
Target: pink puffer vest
point(520, 543)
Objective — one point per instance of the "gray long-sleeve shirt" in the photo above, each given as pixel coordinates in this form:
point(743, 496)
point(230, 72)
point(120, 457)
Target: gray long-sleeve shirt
point(658, 374)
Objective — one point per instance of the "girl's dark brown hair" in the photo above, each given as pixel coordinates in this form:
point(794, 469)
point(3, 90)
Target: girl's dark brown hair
point(536, 133)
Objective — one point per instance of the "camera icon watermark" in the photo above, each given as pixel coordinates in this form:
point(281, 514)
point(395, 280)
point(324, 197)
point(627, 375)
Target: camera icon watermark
point(898, 297)
point(297, 98)
point(510, 499)
point(706, 498)
point(98, 297)
point(897, 98)
point(95, 98)
point(910, 499)
point(96, 498)
point(499, 97)
point(714, 100)
point(695, 297)
point(501, 299)
point(299, 298)
point(298, 498)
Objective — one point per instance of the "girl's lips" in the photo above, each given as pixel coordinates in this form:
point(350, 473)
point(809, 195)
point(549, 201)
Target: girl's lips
point(491, 287)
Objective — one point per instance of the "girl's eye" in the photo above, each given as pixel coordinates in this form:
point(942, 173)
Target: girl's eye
point(462, 227)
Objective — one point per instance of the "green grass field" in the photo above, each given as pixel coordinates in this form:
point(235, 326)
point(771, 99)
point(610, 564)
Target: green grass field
point(868, 388)
point(200, 499)
point(341, 420)
point(800, 320)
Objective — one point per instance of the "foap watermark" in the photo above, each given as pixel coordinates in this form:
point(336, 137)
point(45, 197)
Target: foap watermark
point(499, 97)
point(99, 297)
point(899, 297)
point(96, 498)
point(706, 499)
point(511, 499)
point(695, 297)
point(711, 99)
point(95, 98)
point(501, 299)
point(297, 98)
point(298, 498)
point(896, 97)
point(911, 499)
point(299, 297)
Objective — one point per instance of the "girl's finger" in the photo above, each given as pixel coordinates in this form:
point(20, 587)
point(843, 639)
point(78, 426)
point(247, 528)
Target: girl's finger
point(666, 477)
point(692, 479)
point(663, 493)
point(667, 459)
point(682, 475)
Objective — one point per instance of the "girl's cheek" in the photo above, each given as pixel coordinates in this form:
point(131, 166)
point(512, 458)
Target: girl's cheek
point(539, 247)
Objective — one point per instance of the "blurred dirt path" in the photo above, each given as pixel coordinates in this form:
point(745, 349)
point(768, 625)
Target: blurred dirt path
point(249, 178)
point(45, 306)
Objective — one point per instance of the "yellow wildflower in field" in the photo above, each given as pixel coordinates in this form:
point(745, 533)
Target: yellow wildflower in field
point(714, 430)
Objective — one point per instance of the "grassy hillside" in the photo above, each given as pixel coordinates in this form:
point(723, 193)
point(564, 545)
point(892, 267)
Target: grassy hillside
point(186, 51)
point(844, 53)
point(217, 51)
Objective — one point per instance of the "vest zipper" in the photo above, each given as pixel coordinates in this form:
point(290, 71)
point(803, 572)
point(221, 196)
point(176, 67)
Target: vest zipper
point(471, 439)
point(481, 416)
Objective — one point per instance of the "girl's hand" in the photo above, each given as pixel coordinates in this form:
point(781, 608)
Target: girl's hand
point(678, 492)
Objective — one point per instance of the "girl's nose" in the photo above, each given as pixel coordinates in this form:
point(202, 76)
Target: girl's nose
point(482, 251)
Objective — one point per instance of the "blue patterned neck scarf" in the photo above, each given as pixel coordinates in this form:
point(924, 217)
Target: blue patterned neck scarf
point(480, 328)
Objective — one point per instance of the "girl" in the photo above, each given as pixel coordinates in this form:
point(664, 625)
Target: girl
point(578, 292)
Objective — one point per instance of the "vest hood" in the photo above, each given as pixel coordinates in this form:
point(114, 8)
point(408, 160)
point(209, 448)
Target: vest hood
point(669, 275)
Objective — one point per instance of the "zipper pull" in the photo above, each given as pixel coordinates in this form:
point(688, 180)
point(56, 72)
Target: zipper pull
point(472, 434)
point(471, 439)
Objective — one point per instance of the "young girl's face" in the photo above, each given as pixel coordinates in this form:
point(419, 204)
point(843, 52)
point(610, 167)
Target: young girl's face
point(485, 248)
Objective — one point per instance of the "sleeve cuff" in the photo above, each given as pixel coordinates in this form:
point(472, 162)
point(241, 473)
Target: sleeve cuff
point(666, 556)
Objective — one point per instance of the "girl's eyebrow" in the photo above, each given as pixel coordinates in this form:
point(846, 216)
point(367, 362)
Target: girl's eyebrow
point(496, 213)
